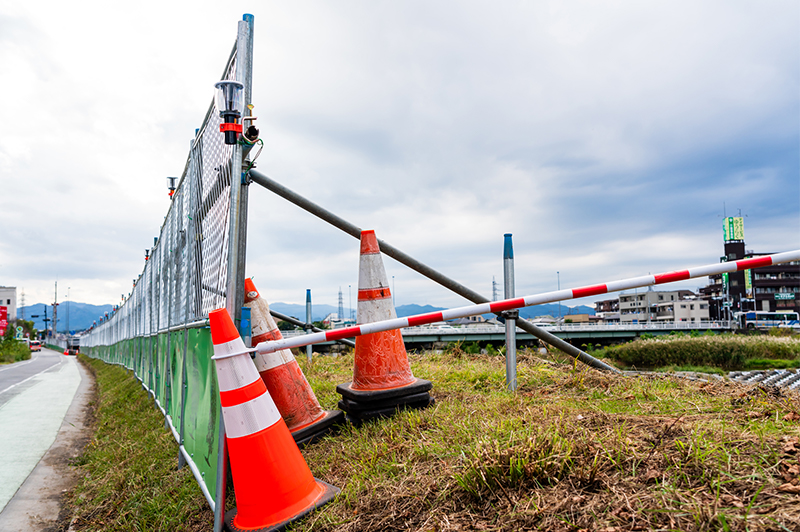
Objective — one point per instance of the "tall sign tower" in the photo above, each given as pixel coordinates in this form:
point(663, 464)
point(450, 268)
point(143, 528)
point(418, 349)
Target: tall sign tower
point(734, 283)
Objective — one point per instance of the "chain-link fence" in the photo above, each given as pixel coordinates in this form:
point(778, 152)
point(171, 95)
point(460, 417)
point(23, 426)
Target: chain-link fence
point(160, 331)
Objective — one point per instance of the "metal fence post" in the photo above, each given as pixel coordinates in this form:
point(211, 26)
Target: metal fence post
point(308, 322)
point(510, 316)
point(234, 294)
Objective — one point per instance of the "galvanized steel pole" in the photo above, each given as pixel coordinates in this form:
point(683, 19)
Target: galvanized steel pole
point(308, 321)
point(234, 291)
point(510, 316)
point(419, 267)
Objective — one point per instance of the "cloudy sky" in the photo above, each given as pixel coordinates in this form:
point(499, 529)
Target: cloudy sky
point(608, 137)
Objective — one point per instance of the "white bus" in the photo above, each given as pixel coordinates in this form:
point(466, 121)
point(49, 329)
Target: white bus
point(760, 319)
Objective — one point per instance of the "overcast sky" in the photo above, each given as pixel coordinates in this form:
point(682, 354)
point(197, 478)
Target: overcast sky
point(608, 137)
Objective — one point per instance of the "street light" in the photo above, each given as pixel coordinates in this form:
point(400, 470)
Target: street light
point(230, 103)
point(171, 185)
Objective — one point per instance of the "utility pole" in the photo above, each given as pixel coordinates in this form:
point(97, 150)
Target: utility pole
point(558, 277)
point(55, 310)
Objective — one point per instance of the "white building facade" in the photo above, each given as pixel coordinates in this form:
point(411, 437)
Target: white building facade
point(8, 299)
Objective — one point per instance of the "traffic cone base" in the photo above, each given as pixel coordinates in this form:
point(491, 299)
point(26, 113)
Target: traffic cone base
point(312, 432)
point(415, 387)
point(327, 495)
point(354, 407)
point(360, 417)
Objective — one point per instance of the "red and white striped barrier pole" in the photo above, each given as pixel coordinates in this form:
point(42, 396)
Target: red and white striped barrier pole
point(527, 301)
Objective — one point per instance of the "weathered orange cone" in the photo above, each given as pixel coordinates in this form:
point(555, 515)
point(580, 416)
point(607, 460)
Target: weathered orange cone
point(382, 379)
point(272, 482)
point(287, 385)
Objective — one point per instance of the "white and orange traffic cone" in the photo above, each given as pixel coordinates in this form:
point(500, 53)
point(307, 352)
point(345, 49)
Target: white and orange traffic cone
point(272, 482)
point(287, 385)
point(382, 379)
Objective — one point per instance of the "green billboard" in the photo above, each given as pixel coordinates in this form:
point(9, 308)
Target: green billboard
point(733, 228)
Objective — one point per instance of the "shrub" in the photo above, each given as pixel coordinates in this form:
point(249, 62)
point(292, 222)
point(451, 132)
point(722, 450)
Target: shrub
point(12, 350)
point(725, 351)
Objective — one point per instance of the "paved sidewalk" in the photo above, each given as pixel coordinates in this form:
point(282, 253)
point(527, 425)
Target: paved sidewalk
point(42, 427)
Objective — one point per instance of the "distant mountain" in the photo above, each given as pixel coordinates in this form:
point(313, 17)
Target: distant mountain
point(81, 315)
point(318, 312)
point(410, 310)
point(550, 309)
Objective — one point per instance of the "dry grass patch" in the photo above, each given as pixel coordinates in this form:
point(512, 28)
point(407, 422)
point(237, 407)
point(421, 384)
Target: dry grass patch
point(574, 449)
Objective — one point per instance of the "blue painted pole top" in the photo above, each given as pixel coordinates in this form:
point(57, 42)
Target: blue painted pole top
point(247, 17)
point(308, 295)
point(508, 247)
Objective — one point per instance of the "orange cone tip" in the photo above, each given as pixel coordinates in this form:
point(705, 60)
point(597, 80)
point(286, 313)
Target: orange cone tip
point(222, 328)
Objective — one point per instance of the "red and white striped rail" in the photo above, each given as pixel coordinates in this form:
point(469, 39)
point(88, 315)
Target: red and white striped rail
point(527, 301)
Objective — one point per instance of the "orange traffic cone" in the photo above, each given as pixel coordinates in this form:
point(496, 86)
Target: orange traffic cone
point(382, 379)
point(287, 385)
point(272, 482)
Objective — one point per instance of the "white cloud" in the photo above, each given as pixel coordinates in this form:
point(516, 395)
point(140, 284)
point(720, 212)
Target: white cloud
point(605, 137)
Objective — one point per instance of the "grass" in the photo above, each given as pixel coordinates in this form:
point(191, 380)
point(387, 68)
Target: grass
point(130, 476)
point(574, 450)
point(726, 351)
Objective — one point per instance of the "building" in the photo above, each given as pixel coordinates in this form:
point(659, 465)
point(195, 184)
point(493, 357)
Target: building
point(8, 299)
point(774, 288)
point(607, 310)
point(770, 288)
point(691, 310)
point(643, 306)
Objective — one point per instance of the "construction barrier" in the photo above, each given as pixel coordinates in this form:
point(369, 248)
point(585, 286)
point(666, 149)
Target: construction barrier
point(526, 301)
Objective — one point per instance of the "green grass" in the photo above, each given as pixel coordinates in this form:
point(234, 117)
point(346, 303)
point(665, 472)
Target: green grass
point(130, 476)
point(725, 351)
point(574, 449)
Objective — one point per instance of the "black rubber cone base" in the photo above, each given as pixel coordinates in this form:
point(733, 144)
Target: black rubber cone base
point(355, 407)
point(356, 418)
point(318, 429)
point(367, 396)
point(327, 496)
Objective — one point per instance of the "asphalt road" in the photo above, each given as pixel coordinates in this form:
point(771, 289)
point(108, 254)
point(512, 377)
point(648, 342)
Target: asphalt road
point(34, 398)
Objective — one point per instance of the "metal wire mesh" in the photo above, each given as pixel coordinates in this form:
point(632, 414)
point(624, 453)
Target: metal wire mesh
point(185, 277)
